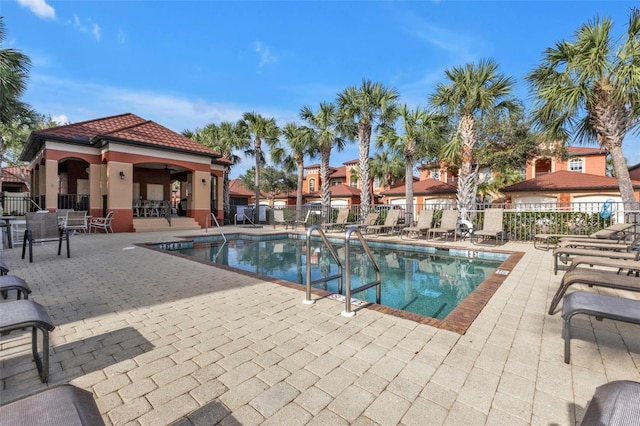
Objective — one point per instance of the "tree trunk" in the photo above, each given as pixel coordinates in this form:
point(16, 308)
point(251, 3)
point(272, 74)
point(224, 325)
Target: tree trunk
point(299, 191)
point(465, 194)
point(324, 176)
point(624, 180)
point(364, 136)
point(256, 210)
point(408, 177)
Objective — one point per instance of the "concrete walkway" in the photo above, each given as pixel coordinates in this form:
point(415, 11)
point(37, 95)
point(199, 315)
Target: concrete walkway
point(159, 339)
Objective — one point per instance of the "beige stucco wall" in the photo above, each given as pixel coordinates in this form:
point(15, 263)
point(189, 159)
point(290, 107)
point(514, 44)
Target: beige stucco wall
point(49, 185)
point(119, 191)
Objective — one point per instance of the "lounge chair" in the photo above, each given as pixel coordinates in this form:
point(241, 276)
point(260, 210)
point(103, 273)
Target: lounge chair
point(59, 405)
point(630, 265)
point(279, 219)
point(600, 306)
point(564, 254)
point(43, 227)
point(614, 403)
point(369, 220)
point(594, 277)
point(491, 226)
point(304, 222)
point(448, 225)
point(390, 223)
point(21, 314)
point(340, 223)
point(11, 282)
point(4, 269)
point(618, 231)
point(425, 218)
point(102, 222)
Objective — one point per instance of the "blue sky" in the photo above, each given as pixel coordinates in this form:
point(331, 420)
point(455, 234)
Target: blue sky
point(185, 64)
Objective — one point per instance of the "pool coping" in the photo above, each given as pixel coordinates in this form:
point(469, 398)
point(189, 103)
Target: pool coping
point(458, 320)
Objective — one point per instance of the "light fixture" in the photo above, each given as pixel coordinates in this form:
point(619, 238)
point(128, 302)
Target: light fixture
point(122, 175)
point(204, 182)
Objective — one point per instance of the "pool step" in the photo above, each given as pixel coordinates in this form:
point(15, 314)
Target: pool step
point(156, 224)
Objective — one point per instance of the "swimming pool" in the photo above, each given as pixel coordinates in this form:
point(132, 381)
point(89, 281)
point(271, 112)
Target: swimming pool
point(419, 279)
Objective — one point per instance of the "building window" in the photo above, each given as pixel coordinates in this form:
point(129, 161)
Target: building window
point(354, 182)
point(576, 165)
point(335, 182)
point(435, 174)
point(376, 183)
point(312, 185)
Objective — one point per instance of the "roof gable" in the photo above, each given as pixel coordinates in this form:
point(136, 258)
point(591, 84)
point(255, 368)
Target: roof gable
point(125, 128)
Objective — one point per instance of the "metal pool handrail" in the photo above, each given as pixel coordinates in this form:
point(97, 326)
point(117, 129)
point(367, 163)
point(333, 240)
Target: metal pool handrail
point(338, 276)
point(219, 228)
point(377, 282)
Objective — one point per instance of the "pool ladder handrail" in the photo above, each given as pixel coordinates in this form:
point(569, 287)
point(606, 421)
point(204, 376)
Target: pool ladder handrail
point(340, 276)
point(348, 290)
point(332, 252)
point(215, 219)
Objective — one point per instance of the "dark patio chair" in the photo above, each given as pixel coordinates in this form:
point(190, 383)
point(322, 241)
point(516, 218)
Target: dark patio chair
point(614, 403)
point(43, 227)
point(11, 282)
point(21, 314)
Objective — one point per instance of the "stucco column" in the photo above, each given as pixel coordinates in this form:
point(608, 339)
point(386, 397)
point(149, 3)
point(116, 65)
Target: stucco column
point(95, 190)
point(200, 199)
point(119, 181)
point(49, 184)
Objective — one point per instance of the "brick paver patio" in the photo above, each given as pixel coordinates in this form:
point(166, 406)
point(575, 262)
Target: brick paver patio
point(159, 339)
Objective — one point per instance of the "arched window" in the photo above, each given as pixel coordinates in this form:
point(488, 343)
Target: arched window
point(576, 165)
point(312, 185)
point(376, 183)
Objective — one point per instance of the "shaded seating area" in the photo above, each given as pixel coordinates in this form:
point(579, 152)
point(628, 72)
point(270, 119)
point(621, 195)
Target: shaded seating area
point(60, 405)
point(24, 314)
point(614, 403)
point(599, 306)
point(448, 225)
point(492, 226)
point(103, 223)
point(43, 227)
point(422, 226)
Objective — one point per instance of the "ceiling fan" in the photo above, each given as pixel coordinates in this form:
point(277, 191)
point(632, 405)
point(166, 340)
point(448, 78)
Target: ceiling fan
point(168, 169)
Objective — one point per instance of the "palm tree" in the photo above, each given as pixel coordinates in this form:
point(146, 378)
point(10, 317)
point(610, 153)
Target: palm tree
point(302, 143)
point(259, 128)
point(226, 138)
point(372, 106)
point(421, 133)
point(14, 71)
point(473, 91)
point(591, 87)
point(328, 135)
point(386, 167)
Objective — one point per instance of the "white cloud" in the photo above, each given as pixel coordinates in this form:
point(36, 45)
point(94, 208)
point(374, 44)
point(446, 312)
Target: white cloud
point(60, 119)
point(88, 27)
point(96, 31)
point(264, 53)
point(40, 8)
point(121, 36)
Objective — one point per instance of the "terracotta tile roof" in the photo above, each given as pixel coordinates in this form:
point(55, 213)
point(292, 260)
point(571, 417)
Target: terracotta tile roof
point(581, 150)
point(424, 187)
point(340, 172)
point(12, 174)
point(637, 166)
point(341, 190)
point(347, 163)
point(125, 128)
point(566, 181)
point(237, 189)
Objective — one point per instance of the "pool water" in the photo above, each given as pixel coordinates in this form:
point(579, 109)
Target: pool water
point(417, 279)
